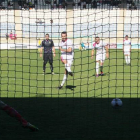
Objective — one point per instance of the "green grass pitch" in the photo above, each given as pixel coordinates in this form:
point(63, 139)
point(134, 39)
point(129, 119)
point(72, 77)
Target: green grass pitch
point(21, 76)
point(81, 110)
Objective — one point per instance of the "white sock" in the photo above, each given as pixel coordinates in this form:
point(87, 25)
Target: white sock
point(126, 59)
point(97, 68)
point(64, 79)
point(68, 67)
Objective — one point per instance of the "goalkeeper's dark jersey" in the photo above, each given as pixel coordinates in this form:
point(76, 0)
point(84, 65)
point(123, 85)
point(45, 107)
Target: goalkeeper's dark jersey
point(47, 45)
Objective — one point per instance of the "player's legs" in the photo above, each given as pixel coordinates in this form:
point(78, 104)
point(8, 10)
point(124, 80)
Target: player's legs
point(67, 60)
point(99, 58)
point(97, 68)
point(126, 58)
point(67, 63)
point(2, 104)
point(129, 60)
point(67, 66)
point(97, 64)
point(51, 63)
point(65, 74)
point(64, 78)
point(101, 63)
point(45, 58)
point(44, 65)
point(101, 67)
point(51, 67)
point(13, 113)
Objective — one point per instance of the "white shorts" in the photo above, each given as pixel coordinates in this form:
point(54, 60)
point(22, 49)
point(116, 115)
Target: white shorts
point(126, 52)
point(100, 57)
point(69, 58)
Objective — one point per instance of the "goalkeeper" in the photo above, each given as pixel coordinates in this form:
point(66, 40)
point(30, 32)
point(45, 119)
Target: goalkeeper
point(48, 49)
point(13, 113)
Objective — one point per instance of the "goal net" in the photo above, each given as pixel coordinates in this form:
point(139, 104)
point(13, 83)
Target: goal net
point(85, 97)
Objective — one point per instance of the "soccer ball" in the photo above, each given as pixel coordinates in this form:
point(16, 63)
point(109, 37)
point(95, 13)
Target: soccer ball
point(116, 102)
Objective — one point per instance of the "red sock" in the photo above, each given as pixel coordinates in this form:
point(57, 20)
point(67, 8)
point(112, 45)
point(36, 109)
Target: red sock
point(13, 113)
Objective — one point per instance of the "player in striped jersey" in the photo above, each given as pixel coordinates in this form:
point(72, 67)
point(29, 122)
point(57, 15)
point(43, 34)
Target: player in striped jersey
point(101, 53)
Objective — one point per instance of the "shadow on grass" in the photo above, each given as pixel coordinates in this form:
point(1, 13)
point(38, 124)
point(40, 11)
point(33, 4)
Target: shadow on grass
point(70, 87)
point(101, 75)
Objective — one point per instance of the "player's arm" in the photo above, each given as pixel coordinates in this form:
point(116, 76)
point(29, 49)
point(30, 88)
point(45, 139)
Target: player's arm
point(41, 49)
point(66, 50)
point(130, 46)
point(123, 46)
point(53, 48)
point(53, 51)
point(69, 47)
point(92, 53)
point(107, 53)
